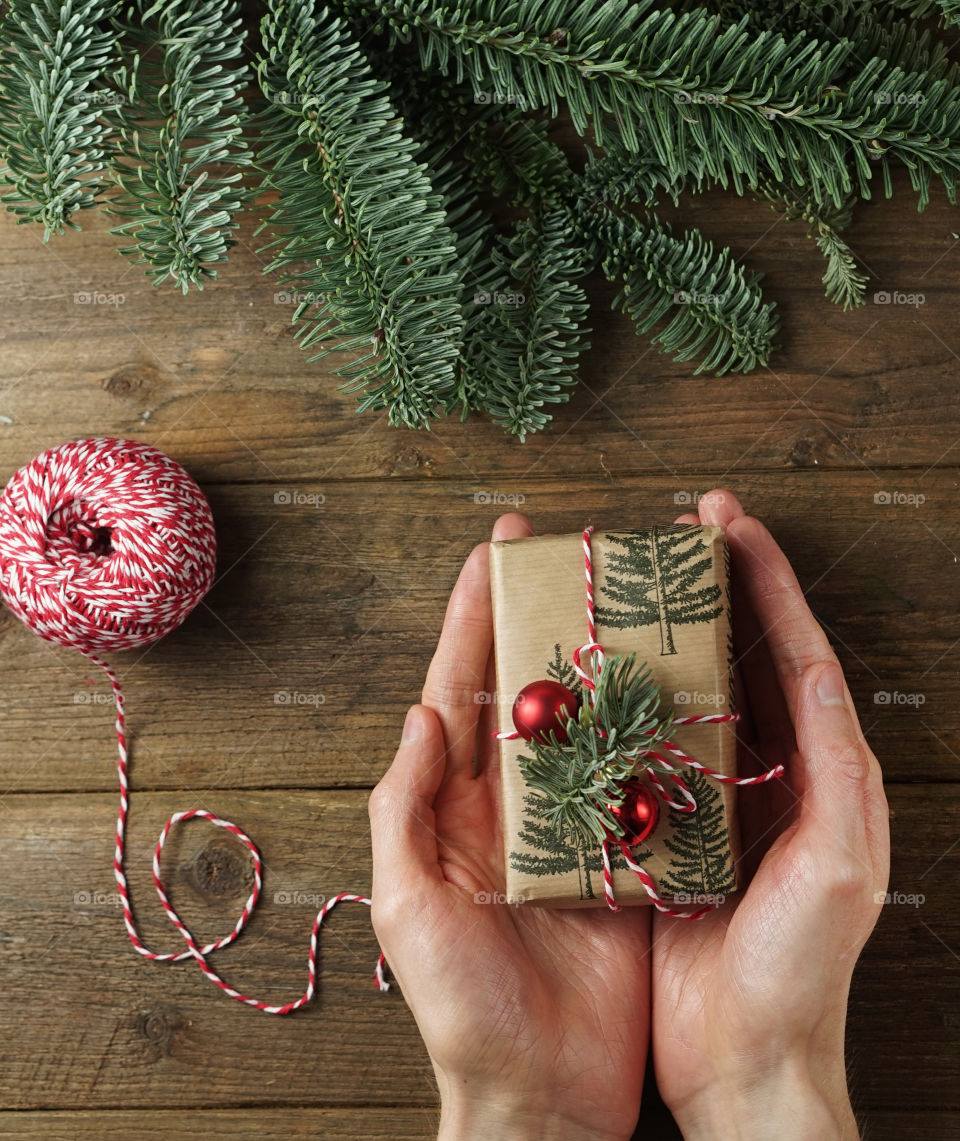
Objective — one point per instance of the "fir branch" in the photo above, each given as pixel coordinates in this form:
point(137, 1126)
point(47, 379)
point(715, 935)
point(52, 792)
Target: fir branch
point(607, 743)
point(483, 277)
point(845, 284)
point(530, 341)
point(621, 177)
point(900, 42)
point(946, 11)
point(508, 148)
point(713, 305)
point(522, 305)
point(515, 158)
point(680, 82)
point(438, 116)
point(53, 56)
point(360, 214)
point(180, 138)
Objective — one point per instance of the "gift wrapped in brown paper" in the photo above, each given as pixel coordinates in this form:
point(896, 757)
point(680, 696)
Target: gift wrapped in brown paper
point(662, 594)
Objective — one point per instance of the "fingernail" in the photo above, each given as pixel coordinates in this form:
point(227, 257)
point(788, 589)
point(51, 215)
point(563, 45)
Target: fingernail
point(412, 726)
point(830, 686)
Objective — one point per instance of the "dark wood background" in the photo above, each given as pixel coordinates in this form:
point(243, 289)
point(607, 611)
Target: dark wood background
point(345, 600)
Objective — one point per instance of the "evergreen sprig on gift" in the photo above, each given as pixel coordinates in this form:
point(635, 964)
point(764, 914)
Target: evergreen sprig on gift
point(419, 208)
point(580, 773)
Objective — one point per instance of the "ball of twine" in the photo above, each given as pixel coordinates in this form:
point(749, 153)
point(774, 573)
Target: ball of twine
point(105, 544)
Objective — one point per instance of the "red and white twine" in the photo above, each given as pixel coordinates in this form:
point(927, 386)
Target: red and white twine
point(106, 545)
point(594, 649)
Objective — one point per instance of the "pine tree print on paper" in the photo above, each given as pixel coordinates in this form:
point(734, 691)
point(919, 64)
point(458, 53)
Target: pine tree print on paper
point(562, 671)
point(654, 579)
point(699, 843)
point(556, 854)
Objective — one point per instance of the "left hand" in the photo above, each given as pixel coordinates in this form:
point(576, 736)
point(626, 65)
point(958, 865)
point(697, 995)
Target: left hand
point(536, 1020)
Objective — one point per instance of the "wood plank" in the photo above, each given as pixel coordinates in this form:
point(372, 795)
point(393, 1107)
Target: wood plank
point(356, 1125)
point(99, 1026)
point(217, 378)
point(233, 1124)
point(96, 1026)
point(341, 603)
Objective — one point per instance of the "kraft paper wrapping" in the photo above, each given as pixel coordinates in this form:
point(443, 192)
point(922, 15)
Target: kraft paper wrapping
point(663, 593)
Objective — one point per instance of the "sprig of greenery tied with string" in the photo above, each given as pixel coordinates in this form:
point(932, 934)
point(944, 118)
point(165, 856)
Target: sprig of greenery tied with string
point(609, 740)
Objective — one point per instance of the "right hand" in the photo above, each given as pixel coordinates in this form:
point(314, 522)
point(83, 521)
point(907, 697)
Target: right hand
point(749, 1003)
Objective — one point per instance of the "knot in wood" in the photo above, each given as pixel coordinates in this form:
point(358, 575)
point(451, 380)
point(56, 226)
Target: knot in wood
point(160, 1025)
point(222, 870)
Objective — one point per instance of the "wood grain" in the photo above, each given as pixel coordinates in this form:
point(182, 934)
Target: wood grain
point(254, 1124)
point(335, 609)
point(248, 1124)
point(95, 1025)
point(217, 379)
point(336, 606)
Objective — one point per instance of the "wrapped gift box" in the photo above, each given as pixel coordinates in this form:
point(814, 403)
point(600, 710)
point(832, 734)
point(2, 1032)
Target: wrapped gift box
point(664, 594)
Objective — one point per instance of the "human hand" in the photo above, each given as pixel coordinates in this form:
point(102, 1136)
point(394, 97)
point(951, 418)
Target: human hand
point(536, 1020)
point(749, 1003)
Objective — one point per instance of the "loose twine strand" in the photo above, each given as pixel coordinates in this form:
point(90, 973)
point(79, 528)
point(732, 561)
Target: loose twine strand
point(106, 545)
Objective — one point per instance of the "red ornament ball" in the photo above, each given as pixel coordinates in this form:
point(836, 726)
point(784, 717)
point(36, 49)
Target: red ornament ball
point(536, 708)
point(637, 813)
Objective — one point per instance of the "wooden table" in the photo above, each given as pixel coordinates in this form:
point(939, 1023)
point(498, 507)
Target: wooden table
point(340, 600)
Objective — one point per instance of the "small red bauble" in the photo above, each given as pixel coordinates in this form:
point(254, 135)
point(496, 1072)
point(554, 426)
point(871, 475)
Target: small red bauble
point(536, 708)
point(637, 813)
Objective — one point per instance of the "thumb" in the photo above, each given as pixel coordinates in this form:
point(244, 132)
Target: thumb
point(402, 822)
